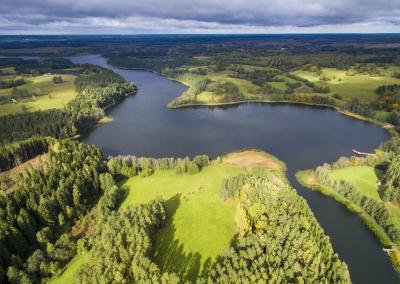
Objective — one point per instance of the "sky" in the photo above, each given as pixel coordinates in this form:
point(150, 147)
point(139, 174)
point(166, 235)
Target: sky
point(198, 16)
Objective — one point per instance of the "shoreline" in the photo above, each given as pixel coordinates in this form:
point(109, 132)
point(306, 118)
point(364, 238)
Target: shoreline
point(303, 176)
point(387, 126)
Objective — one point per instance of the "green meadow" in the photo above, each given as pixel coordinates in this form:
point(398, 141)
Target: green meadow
point(199, 225)
point(55, 95)
point(360, 86)
point(366, 181)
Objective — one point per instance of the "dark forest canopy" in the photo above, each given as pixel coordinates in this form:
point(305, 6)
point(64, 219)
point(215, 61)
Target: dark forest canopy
point(47, 201)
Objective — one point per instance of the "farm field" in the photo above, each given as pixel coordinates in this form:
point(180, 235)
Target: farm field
point(55, 95)
point(358, 86)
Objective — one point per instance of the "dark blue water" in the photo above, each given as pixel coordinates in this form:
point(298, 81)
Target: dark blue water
point(303, 137)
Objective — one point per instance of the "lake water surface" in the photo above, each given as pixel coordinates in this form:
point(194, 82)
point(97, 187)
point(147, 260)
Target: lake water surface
point(302, 136)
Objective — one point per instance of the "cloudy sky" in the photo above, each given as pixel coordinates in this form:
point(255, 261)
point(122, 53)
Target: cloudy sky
point(199, 16)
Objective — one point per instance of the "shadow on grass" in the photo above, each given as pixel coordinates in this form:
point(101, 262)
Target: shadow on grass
point(170, 254)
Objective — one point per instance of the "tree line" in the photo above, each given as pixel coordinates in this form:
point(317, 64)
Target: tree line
point(13, 154)
point(37, 66)
point(46, 203)
point(279, 241)
point(374, 208)
point(130, 166)
point(5, 84)
point(97, 88)
point(389, 190)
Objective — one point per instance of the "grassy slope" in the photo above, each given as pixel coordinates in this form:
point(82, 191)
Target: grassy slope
point(60, 94)
point(200, 224)
point(358, 86)
point(11, 175)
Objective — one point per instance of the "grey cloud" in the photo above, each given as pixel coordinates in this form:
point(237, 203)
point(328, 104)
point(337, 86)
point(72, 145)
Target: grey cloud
point(208, 14)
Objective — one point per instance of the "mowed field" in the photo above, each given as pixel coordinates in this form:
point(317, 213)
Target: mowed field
point(56, 95)
point(358, 86)
point(366, 180)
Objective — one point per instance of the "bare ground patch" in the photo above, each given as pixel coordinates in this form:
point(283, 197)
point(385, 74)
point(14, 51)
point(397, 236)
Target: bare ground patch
point(249, 159)
point(10, 175)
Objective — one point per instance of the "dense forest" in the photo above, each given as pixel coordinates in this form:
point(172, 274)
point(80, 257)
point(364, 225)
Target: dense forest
point(13, 154)
point(279, 238)
point(48, 200)
point(272, 244)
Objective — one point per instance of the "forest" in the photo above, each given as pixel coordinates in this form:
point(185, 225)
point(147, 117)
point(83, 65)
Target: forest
point(78, 210)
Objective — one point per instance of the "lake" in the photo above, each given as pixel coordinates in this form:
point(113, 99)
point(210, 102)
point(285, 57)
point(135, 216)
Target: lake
point(302, 136)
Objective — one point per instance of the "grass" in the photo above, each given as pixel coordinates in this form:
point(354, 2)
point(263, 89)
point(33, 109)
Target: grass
point(363, 177)
point(365, 180)
point(200, 225)
point(359, 86)
point(69, 273)
point(56, 95)
point(246, 87)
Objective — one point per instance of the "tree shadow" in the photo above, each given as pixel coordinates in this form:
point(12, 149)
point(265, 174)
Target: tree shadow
point(169, 253)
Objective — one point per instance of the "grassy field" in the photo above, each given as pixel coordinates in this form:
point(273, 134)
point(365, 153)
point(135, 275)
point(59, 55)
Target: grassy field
point(365, 179)
point(200, 225)
point(359, 86)
point(56, 95)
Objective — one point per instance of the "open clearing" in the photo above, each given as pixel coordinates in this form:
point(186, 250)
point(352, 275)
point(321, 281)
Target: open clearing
point(366, 181)
point(358, 86)
point(56, 95)
point(363, 177)
point(200, 225)
point(10, 175)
